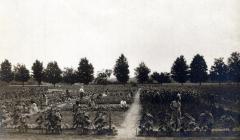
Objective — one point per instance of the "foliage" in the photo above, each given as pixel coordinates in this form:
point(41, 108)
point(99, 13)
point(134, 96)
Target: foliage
point(85, 71)
point(37, 69)
point(21, 73)
point(142, 73)
point(102, 77)
point(219, 71)
point(53, 121)
point(52, 73)
point(234, 66)
point(198, 72)
point(228, 122)
point(146, 123)
point(201, 112)
point(161, 78)
point(6, 73)
point(69, 76)
point(82, 122)
point(179, 70)
point(100, 122)
point(121, 69)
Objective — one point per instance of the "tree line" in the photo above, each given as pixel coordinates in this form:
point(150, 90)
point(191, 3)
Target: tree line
point(181, 72)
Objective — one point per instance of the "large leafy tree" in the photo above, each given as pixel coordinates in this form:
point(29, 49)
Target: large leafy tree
point(69, 76)
point(198, 72)
point(37, 69)
point(6, 73)
point(179, 70)
point(155, 77)
point(103, 76)
point(234, 66)
point(21, 73)
point(85, 71)
point(121, 69)
point(142, 73)
point(219, 71)
point(52, 73)
point(165, 77)
point(161, 78)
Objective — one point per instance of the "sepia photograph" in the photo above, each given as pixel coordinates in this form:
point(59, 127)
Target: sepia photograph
point(119, 69)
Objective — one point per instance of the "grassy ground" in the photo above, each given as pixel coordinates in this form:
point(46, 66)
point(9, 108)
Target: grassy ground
point(76, 137)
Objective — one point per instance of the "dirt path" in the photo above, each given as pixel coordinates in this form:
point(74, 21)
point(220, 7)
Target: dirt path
point(130, 124)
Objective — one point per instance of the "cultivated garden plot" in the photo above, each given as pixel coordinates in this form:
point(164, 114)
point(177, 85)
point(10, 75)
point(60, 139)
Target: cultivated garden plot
point(152, 110)
point(99, 110)
point(190, 110)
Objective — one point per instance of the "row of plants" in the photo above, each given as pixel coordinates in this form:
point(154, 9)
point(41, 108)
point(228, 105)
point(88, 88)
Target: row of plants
point(12, 96)
point(198, 108)
point(51, 122)
point(19, 101)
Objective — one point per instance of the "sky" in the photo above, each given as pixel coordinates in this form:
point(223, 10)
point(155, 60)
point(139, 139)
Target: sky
point(152, 31)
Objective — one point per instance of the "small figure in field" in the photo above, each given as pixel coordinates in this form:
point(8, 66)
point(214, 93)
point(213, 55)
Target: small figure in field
point(102, 95)
point(75, 110)
point(123, 104)
point(81, 93)
point(176, 112)
point(106, 93)
point(44, 100)
point(68, 95)
point(91, 102)
point(75, 106)
point(33, 108)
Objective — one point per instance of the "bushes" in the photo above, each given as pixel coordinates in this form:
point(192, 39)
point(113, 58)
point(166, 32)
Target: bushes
point(201, 107)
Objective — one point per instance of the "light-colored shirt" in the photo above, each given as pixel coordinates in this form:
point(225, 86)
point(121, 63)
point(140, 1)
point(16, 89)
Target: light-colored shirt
point(33, 108)
point(81, 90)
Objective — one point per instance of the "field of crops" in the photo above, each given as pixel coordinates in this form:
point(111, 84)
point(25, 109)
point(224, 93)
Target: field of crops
point(106, 111)
point(204, 109)
point(207, 110)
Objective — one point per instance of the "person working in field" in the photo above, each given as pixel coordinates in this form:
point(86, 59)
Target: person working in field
point(81, 93)
point(33, 108)
point(106, 93)
point(44, 100)
point(74, 110)
point(123, 104)
point(176, 112)
point(68, 95)
point(91, 102)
